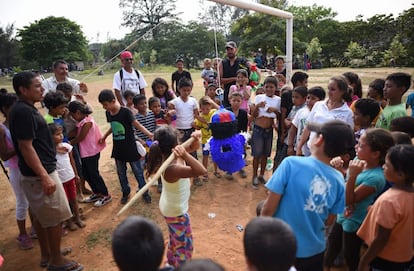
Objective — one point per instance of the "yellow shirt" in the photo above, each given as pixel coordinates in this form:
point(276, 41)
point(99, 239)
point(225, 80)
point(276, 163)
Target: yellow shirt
point(204, 128)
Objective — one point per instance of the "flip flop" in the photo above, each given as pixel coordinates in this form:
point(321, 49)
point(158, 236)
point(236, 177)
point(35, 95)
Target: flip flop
point(70, 266)
point(43, 263)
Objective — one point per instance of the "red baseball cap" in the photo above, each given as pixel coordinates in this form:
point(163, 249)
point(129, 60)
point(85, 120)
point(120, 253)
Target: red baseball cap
point(126, 54)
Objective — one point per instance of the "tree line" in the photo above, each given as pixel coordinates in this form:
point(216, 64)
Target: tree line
point(376, 41)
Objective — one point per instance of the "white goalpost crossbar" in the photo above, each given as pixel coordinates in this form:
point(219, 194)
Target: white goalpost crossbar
point(271, 11)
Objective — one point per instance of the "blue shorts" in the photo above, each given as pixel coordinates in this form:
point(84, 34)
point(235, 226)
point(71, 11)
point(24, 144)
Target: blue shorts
point(262, 140)
point(205, 152)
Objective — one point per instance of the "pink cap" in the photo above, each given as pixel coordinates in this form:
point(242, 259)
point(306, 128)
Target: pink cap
point(126, 54)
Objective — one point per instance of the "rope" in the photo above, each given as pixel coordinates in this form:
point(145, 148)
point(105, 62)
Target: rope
point(126, 48)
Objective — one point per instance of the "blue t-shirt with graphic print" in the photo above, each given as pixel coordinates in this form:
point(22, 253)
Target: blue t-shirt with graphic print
point(310, 190)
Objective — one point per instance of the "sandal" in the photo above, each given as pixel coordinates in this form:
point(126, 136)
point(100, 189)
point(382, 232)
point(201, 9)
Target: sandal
point(44, 263)
point(205, 178)
point(217, 174)
point(70, 266)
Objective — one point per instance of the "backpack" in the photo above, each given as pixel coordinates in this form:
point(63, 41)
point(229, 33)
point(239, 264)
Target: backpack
point(121, 75)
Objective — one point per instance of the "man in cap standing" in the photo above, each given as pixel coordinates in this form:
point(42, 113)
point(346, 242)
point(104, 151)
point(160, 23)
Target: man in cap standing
point(128, 78)
point(228, 69)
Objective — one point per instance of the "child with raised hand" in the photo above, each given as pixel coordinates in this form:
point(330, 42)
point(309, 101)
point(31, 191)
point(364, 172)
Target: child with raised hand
point(315, 94)
point(176, 189)
point(161, 90)
point(211, 92)
point(396, 84)
point(88, 137)
point(388, 229)
point(365, 180)
point(242, 87)
point(66, 168)
point(206, 111)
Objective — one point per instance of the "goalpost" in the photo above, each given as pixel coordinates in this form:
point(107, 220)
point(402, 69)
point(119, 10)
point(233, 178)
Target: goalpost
point(244, 4)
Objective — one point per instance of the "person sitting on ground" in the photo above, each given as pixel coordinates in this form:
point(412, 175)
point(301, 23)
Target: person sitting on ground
point(138, 244)
point(269, 244)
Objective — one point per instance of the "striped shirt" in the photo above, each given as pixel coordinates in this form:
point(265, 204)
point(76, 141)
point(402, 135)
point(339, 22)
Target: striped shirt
point(148, 121)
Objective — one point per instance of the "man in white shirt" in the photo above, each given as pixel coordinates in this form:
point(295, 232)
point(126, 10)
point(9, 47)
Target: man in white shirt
point(128, 78)
point(60, 70)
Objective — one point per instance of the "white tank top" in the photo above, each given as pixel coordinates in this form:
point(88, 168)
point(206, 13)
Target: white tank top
point(174, 197)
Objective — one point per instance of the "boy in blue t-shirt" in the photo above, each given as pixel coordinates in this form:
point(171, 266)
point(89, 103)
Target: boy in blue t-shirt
point(307, 193)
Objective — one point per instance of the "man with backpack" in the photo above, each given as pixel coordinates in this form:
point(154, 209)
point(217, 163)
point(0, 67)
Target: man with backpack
point(229, 67)
point(128, 78)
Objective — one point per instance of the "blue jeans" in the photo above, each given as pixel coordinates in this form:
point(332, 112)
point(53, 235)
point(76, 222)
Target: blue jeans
point(138, 170)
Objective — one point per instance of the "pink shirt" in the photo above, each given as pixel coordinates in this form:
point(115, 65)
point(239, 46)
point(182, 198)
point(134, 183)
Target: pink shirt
point(90, 146)
point(245, 102)
point(13, 161)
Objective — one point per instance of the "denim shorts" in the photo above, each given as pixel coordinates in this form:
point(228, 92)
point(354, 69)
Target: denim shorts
point(205, 152)
point(262, 140)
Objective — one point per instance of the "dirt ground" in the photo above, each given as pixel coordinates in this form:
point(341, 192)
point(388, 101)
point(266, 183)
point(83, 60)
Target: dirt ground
point(232, 202)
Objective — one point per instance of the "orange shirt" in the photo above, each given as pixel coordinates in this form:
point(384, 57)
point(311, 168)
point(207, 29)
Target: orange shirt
point(393, 210)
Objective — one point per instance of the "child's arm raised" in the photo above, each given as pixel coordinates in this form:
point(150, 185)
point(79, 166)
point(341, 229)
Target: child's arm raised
point(356, 194)
point(193, 167)
point(82, 134)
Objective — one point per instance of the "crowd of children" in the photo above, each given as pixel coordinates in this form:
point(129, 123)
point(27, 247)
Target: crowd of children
point(352, 192)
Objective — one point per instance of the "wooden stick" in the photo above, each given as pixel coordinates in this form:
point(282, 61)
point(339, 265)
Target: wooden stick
point(154, 178)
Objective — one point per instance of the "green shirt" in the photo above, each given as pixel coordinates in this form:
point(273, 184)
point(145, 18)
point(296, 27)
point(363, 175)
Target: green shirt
point(389, 113)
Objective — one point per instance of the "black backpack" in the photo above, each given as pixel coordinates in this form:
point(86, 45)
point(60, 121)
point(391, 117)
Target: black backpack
point(121, 75)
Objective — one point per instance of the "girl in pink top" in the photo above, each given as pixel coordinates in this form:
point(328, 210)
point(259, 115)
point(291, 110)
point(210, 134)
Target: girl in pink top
point(88, 137)
point(388, 229)
point(242, 88)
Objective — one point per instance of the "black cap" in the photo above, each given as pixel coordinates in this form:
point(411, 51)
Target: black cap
point(338, 136)
point(230, 44)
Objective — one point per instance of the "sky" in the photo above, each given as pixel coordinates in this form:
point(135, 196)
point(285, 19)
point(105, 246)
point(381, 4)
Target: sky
point(100, 20)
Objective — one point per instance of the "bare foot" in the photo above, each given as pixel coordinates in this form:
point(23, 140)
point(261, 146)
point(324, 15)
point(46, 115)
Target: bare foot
point(79, 223)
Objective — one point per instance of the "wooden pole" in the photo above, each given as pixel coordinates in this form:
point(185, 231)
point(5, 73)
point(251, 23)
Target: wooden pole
point(154, 178)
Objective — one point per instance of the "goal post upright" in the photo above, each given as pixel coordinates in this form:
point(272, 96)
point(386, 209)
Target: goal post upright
point(244, 4)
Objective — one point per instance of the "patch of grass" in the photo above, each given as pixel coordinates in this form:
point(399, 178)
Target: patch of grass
point(102, 236)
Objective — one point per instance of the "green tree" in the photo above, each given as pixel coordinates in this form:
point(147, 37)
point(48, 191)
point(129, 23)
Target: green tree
point(314, 49)
point(396, 51)
point(142, 15)
point(8, 47)
point(53, 38)
point(405, 26)
point(220, 17)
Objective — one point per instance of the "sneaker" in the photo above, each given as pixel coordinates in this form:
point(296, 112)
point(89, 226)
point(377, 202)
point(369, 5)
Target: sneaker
point(92, 198)
point(261, 179)
point(25, 242)
point(255, 182)
point(243, 173)
point(124, 199)
point(103, 201)
point(228, 176)
point(147, 198)
point(197, 182)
